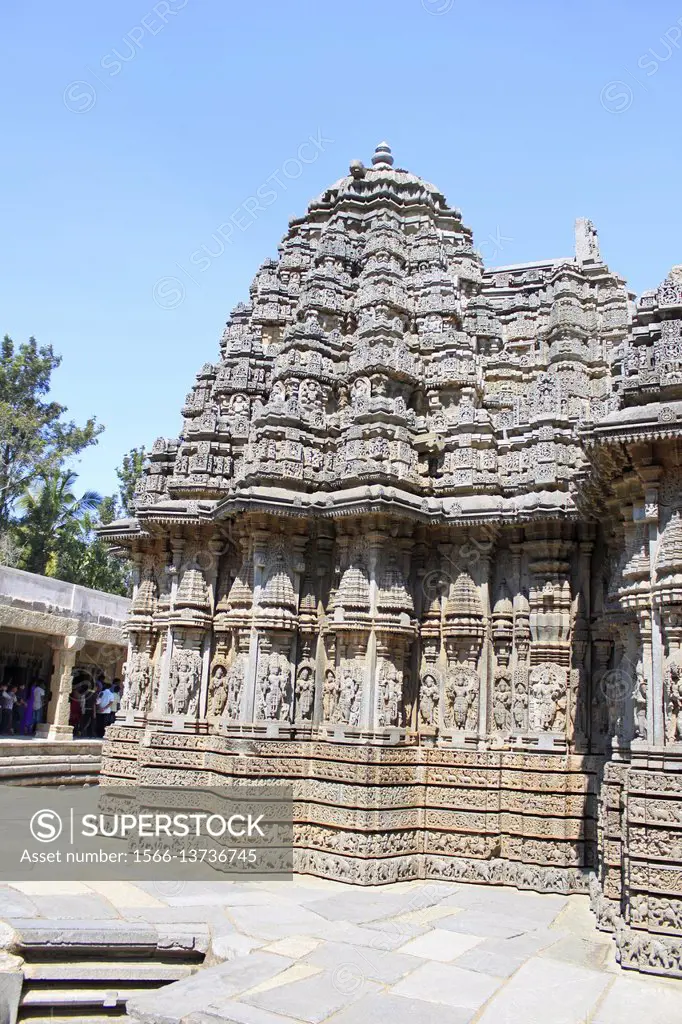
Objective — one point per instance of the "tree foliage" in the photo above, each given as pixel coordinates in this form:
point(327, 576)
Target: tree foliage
point(35, 439)
point(46, 527)
point(52, 515)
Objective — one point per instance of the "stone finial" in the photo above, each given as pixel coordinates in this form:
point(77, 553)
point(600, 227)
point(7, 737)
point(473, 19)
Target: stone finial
point(383, 156)
point(586, 242)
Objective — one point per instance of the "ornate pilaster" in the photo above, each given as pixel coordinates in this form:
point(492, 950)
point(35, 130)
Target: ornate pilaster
point(63, 663)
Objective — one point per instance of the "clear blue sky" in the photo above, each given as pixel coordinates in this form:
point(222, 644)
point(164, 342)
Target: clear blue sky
point(116, 170)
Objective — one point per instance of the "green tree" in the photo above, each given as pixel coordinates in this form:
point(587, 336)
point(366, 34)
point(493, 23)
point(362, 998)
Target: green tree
point(52, 517)
point(129, 473)
point(35, 440)
point(84, 559)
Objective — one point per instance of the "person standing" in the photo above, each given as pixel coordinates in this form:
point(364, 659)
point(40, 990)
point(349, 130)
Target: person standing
point(116, 700)
point(87, 729)
point(104, 702)
point(8, 699)
point(38, 704)
point(19, 710)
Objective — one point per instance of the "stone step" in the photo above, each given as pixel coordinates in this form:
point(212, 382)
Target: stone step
point(108, 970)
point(36, 1017)
point(106, 995)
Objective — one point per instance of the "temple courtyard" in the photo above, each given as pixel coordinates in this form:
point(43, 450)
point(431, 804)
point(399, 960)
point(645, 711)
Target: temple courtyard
point(312, 950)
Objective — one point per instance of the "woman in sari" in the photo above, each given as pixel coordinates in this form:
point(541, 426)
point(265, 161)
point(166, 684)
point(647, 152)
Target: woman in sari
point(27, 717)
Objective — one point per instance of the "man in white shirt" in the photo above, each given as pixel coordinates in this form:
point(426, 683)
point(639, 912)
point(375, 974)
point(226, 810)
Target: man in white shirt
point(38, 701)
point(104, 702)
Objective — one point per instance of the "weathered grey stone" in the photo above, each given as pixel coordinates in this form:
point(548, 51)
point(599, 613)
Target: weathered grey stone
point(544, 986)
point(277, 922)
point(487, 923)
point(385, 935)
point(441, 945)
point(363, 910)
point(91, 907)
point(446, 610)
point(15, 904)
point(315, 999)
point(499, 965)
point(11, 981)
point(447, 984)
point(377, 965)
point(205, 989)
point(75, 934)
point(384, 1008)
point(575, 950)
point(230, 1012)
point(523, 946)
point(233, 945)
point(630, 1001)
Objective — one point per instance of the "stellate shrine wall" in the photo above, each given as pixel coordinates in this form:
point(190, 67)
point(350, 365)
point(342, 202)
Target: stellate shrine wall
point(418, 549)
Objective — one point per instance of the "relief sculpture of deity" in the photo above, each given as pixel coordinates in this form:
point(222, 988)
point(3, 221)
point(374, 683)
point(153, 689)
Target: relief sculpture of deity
point(305, 692)
point(218, 690)
point(274, 701)
point(673, 688)
point(547, 698)
point(183, 698)
point(138, 678)
point(462, 687)
point(389, 695)
point(429, 699)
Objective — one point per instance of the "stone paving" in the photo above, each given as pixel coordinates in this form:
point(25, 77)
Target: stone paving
point(315, 951)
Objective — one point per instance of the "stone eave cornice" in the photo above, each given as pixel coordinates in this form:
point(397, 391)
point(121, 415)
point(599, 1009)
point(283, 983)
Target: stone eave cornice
point(121, 530)
point(653, 422)
point(464, 510)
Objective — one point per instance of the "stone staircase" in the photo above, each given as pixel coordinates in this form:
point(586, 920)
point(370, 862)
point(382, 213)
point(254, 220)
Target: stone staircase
point(84, 972)
point(36, 762)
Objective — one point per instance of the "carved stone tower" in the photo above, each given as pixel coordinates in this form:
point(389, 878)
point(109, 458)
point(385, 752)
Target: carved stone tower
point(421, 535)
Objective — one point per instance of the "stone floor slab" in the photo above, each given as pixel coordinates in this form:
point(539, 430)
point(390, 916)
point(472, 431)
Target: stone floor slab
point(631, 1001)
point(87, 905)
point(376, 906)
point(448, 984)
point(231, 1012)
point(233, 945)
point(440, 945)
point(488, 924)
point(279, 921)
point(206, 988)
point(526, 945)
point(61, 888)
point(499, 965)
point(389, 936)
point(541, 907)
point(125, 895)
point(385, 1008)
point(575, 950)
point(315, 999)
point(547, 992)
point(296, 946)
point(377, 965)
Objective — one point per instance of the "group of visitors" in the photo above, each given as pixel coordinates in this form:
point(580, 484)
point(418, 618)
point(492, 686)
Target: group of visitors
point(21, 708)
point(94, 703)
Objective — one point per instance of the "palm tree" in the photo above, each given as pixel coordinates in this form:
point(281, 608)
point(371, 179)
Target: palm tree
point(51, 515)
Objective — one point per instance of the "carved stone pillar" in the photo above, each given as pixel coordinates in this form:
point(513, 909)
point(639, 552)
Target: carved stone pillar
point(63, 663)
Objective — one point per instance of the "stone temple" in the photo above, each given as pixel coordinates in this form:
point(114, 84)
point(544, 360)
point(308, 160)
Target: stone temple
point(418, 551)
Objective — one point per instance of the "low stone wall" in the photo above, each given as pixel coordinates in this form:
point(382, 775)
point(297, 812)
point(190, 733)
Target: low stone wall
point(55, 763)
point(372, 815)
point(51, 607)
